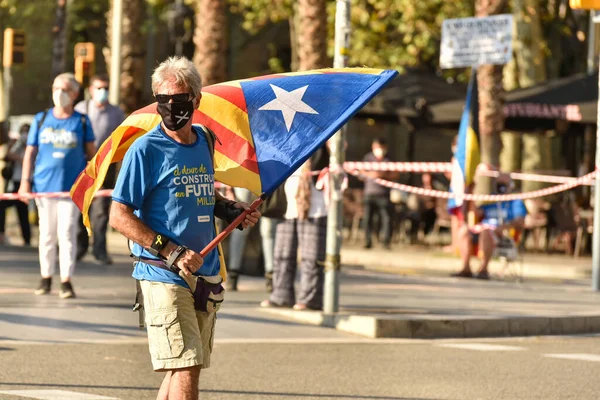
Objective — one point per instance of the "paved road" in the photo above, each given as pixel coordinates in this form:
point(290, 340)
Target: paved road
point(534, 368)
point(90, 348)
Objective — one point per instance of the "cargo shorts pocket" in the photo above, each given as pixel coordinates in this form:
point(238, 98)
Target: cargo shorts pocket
point(164, 335)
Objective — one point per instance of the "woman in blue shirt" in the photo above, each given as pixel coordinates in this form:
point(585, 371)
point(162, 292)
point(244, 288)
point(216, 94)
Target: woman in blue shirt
point(59, 143)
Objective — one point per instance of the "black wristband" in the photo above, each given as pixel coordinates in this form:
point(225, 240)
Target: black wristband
point(173, 258)
point(158, 244)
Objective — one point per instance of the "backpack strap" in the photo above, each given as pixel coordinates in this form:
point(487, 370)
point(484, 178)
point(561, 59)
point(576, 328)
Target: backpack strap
point(41, 121)
point(211, 138)
point(84, 124)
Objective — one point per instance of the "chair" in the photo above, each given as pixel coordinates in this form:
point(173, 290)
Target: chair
point(354, 212)
point(509, 253)
point(585, 228)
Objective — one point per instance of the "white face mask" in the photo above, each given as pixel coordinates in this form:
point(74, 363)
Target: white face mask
point(101, 96)
point(61, 98)
point(378, 152)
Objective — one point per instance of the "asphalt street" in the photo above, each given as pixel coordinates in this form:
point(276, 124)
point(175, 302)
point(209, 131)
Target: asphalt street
point(533, 368)
point(91, 348)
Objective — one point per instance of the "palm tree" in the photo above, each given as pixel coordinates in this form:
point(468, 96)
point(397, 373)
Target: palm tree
point(312, 34)
point(210, 38)
point(133, 53)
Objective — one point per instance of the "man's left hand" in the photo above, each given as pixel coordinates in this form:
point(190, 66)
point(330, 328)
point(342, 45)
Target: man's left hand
point(252, 218)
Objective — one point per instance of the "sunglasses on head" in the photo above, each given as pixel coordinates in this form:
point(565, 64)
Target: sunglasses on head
point(177, 97)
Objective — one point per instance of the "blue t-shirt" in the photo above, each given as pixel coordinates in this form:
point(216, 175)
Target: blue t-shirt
point(171, 188)
point(508, 211)
point(61, 150)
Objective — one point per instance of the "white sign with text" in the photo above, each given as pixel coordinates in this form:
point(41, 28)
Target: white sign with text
point(469, 42)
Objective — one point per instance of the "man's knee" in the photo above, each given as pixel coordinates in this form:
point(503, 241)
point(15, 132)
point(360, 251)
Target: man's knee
point(487, 239)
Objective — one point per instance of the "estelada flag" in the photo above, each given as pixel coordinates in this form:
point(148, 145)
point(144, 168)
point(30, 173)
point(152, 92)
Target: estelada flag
point(467, 155)
point(266, 127)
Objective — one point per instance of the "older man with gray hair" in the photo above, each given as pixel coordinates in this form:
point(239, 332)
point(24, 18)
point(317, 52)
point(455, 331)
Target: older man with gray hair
point(165, 203)
point(59, 142)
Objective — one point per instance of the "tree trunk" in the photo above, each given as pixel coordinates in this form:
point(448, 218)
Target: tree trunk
point(528, 46)
point(528, 43)
point(133, 53)
point(491, 113)
point(210, 38)
point(59, 44)
point(294, 21)
point(312, 34)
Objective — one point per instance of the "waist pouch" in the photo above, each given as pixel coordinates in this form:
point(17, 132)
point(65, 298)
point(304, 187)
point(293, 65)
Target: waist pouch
point(208, 292)
point(208, 296)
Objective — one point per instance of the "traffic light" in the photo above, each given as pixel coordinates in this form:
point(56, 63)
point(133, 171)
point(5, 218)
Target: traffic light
point(585, 4)
point(14, 47)
point(84, 62)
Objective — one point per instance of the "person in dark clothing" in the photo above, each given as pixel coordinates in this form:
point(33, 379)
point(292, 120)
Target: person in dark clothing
point(14, 157)
point(377, 197)
point(105, 118)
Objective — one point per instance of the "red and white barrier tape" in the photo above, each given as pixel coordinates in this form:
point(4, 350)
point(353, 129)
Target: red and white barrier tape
point(399, 166)
point(55, 195)
point(440, 167)
point(354, 167)
point(481, 197)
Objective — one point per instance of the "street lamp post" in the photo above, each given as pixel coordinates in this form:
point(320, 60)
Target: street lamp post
point(334, 216)
point(115, 52)
point(593, 5)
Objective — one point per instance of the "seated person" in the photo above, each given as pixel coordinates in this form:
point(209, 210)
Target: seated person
point(495, 219)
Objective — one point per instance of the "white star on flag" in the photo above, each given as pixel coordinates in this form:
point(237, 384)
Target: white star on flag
point(289, 103)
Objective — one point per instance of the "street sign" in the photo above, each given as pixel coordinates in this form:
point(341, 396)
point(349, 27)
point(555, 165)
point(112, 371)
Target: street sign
point(469, 42)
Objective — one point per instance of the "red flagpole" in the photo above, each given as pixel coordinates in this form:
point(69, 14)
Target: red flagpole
point(221, 236)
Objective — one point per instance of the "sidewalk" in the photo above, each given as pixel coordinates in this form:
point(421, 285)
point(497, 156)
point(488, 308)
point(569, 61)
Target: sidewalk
point(421, 260)
point(381, 305)
point(406, 293)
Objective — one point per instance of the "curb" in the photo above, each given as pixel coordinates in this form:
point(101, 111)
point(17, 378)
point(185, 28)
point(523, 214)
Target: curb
point(419, 264)
point(435, 327)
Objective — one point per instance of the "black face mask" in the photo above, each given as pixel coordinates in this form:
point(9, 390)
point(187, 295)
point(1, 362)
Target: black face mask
point(176, 115)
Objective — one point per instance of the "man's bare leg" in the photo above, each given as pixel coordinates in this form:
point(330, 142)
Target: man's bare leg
point(163, 392)
point(466, 247)
point(486, 238)
point(183, 384)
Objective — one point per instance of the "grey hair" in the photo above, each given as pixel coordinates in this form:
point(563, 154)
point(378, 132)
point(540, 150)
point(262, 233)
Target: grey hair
point(70, 78)
point(180, 70)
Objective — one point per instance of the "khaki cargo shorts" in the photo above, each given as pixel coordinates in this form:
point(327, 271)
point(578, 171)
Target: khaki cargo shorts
point(178, 335)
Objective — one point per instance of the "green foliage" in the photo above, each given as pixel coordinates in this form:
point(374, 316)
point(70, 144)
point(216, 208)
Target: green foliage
point(258, 13)
point(87, 23)
point(385, 33)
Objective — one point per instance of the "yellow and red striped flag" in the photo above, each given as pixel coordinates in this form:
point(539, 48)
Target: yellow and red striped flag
point(267, 126)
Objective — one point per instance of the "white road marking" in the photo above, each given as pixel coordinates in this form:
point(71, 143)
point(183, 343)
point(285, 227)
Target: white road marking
point(579, 357)
point(55, 395)
point(481, 347)
point(223, 341)
point(317, 340)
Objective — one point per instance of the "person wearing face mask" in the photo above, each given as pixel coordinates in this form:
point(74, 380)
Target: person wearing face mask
point(15, 158)
point(495, 220)
point(165, 202)
point(105, 118)
point(59, 143)
point(377, 197)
